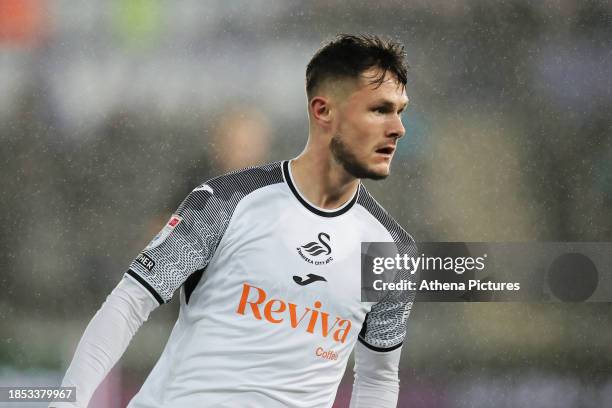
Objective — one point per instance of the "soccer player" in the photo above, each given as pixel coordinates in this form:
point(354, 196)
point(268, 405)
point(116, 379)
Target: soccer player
point(267, 263)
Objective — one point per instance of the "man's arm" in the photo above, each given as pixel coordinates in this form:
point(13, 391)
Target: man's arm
point(377, 353)
point(106, 338)
point(184, 245)
point(376, 378)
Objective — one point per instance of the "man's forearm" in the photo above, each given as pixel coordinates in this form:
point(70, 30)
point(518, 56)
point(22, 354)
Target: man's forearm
point(376, 378)
point(106, 338)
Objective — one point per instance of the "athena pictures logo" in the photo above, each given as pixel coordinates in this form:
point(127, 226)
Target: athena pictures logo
point(317, 252)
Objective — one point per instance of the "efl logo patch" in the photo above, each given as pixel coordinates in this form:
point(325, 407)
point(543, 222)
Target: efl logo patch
point(163, 234)
point(145, 261)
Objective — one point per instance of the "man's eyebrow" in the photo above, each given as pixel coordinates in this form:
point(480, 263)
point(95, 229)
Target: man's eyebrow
point(387, 104)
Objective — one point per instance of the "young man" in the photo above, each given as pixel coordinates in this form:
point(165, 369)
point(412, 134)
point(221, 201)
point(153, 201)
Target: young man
point(267, 260)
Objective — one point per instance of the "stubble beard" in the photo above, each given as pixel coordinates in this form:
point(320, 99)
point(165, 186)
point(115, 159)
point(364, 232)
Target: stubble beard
point(343, 155)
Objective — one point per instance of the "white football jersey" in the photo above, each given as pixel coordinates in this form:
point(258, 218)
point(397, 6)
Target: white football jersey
point(270, 294)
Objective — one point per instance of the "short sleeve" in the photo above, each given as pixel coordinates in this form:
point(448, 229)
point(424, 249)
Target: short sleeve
point(185, 244)
point(384, 327)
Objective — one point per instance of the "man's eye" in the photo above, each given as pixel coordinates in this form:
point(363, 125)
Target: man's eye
point(380, 110)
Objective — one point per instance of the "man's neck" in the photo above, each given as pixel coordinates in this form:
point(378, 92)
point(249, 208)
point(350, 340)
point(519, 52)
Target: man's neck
point(321, 180)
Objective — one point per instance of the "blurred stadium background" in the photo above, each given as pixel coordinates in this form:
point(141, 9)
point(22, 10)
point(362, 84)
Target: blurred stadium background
point(112, 111)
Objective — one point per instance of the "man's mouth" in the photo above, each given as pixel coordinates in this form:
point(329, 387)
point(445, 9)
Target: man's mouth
point(386, 150)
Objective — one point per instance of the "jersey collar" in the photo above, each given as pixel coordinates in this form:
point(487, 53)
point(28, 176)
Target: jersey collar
point(311, 207)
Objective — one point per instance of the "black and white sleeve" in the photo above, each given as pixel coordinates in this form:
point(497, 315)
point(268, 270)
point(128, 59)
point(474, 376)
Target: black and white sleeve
point(185, 244)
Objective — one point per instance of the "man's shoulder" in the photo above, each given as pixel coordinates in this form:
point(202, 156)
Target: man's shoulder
point(224, 192)
point(378, 212)
point(241, 182)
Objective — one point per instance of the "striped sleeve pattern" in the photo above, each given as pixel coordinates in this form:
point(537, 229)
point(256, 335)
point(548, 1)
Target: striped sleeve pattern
point(165, 264)
point(384, 328)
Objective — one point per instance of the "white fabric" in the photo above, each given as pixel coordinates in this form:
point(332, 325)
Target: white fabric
point(250, 335)
point(106, 338)
point(376, 378)
point(270, 300)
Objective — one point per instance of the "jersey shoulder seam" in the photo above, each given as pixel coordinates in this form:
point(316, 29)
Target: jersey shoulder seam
point(250, 178)
point(376, 210)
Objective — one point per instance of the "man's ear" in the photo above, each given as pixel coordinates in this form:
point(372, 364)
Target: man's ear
point(320, 109)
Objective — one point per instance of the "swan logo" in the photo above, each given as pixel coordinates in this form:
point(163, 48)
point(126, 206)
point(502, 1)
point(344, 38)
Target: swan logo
point(317, 252)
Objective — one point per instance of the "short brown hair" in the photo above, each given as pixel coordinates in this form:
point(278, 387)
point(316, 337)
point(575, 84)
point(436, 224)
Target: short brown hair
point(347, 56)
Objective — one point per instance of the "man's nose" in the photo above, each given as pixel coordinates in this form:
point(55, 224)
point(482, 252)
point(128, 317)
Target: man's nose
point(396, 128)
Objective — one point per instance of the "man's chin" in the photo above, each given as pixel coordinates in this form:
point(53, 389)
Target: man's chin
point(375, 170)
point(377, 175)
point(372, 172)
point(378, 171)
